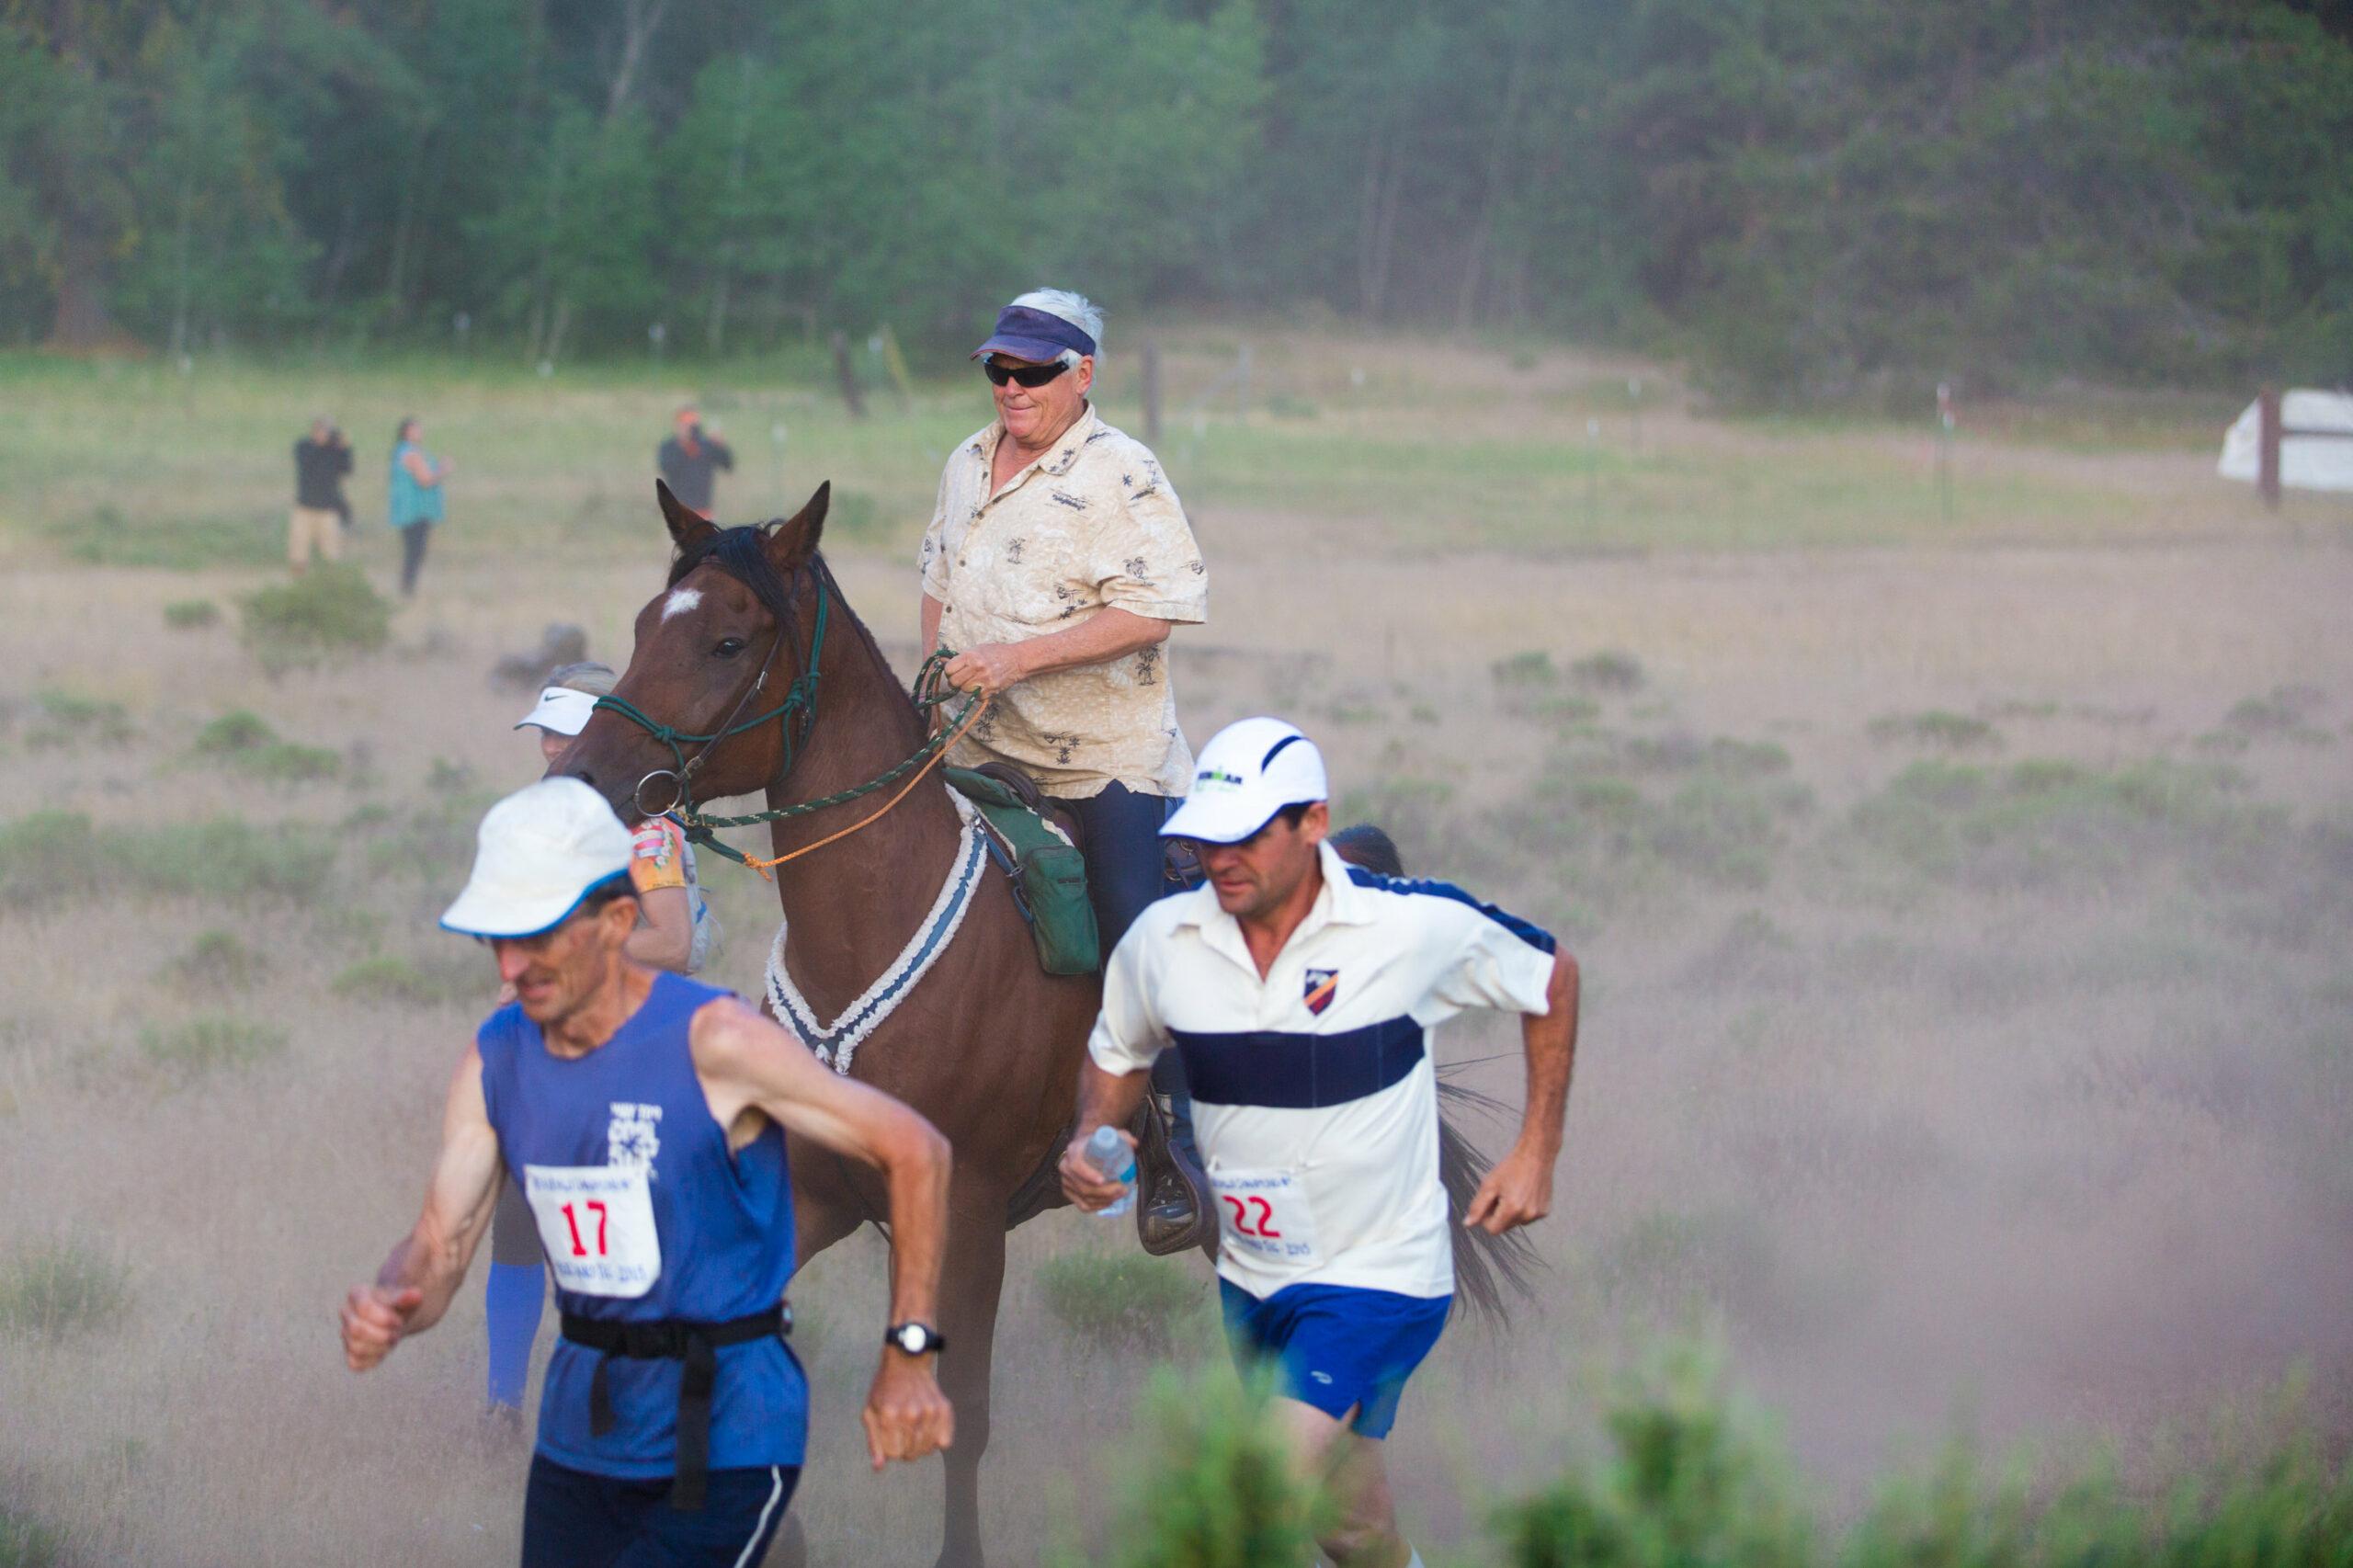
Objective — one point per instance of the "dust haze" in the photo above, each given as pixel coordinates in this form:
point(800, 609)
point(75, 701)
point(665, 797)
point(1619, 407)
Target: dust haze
point(1963, 905)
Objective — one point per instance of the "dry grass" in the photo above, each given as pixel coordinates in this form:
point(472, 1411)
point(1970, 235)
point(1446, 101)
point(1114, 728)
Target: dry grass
point(1963, 1089)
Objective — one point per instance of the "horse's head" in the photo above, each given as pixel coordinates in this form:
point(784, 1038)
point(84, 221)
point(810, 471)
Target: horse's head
point(722, 645)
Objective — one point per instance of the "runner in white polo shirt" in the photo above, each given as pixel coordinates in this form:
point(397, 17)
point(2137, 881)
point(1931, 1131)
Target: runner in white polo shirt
point(1302, 992)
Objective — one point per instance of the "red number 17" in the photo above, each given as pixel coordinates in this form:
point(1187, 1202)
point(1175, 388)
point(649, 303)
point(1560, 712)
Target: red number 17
point(572, 1220)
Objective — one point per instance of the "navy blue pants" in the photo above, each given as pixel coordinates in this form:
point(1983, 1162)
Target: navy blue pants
point(574, 1519)
point(1125, 871)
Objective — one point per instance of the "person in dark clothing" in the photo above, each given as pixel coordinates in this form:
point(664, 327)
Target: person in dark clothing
point(690, 461)
point(321, 459)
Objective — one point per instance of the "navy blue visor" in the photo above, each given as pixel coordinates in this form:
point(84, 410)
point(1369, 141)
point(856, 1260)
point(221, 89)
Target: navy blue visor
point(1027, 334)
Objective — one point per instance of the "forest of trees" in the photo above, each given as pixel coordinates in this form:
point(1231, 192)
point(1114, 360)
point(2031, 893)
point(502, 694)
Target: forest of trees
point(1805, 196)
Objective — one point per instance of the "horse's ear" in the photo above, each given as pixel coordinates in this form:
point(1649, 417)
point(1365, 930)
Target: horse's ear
point(791, 544)
point(686, 523)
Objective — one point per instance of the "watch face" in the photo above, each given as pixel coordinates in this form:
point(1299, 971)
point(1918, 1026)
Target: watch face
point(913, 1338)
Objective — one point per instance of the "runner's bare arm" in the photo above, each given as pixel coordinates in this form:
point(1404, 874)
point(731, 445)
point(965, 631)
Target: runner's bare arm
point(1519, 1191)
point(1105, 1099)
point(666, 940)
point(750, 1068)
point(414, 1288)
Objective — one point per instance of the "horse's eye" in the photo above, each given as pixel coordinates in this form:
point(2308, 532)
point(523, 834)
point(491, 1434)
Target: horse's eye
point(728, 648)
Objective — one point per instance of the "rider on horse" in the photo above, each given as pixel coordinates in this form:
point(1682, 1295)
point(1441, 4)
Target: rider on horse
point(1057, 560)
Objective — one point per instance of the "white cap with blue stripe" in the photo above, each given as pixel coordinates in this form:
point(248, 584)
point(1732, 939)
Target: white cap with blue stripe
point(1250, 770)
point(536, 854)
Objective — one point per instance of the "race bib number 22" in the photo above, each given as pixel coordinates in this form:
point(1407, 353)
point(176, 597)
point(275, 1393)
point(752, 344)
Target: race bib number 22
point(1265, 1214)
point(597, 1227)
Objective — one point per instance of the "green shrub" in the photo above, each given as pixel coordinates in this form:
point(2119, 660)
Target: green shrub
point(65, 719)
point(1118, 1298)
point(1686, 1488)
point(243, 740)
point(25, 1544)
point(1532, 668)
point(1284, 405)
point(217, 960)
point(57, 855)
point(1216, 1487)
point(212, 1041)
point(106, 537)
point(391, 978)
point(191, 615)
point(2047, 824)
point(329, 609)
point(56, 1290)
point(1948, 731)
point(1610, 670)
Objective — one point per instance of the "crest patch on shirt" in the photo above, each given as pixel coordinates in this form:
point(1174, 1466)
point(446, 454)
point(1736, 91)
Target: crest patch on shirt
point(634, 1135)
point(1322, 984)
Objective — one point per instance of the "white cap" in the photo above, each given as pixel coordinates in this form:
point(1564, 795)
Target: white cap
point(561, 709)
point(1250, 770)
point(535, 855)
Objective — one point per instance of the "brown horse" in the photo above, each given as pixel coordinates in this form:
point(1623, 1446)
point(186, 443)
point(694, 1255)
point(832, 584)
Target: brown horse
point(986, 1045)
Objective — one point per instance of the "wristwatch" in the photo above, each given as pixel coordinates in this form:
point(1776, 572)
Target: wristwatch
point(913, 1338)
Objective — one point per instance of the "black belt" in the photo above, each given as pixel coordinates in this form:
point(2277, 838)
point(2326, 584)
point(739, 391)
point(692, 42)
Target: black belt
point(671, 1339)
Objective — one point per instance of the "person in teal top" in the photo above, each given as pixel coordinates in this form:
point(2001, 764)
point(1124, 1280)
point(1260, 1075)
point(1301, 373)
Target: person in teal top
point(416, 504)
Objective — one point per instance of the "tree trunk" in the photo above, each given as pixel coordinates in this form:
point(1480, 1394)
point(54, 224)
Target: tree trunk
point(1466, 299)
point(83, 323)
point(639, 20)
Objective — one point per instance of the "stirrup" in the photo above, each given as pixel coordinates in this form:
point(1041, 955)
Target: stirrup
point(1173, 1212)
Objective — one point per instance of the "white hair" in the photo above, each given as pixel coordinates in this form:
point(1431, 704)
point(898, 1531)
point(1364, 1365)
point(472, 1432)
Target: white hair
point(1077, 309)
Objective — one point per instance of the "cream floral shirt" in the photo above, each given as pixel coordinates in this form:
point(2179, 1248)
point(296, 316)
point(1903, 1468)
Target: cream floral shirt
point(1093, 523)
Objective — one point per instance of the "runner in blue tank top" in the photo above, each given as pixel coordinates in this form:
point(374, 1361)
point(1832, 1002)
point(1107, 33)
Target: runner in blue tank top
point(645, 1115)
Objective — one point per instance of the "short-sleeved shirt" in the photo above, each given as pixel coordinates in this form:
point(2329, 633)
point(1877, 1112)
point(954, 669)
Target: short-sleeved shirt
point(1092, 524)
point(1320, 1075)
point(319, 468)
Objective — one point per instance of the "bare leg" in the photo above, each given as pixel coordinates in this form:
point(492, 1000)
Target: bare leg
point(1364, 1534)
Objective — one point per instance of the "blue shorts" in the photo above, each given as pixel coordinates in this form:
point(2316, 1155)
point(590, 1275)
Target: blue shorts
point(574, 1519)
point(1335, 1347)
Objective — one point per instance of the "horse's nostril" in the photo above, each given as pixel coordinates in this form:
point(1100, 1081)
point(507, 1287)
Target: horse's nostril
point(585, 777)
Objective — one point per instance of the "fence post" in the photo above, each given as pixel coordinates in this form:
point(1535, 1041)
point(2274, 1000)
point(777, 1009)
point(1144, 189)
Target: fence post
point(848, 374)
point(1152, 392)
point(2268, 469)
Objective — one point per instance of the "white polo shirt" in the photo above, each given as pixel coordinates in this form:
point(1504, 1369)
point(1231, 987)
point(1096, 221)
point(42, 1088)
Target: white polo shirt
point(1315, 1094)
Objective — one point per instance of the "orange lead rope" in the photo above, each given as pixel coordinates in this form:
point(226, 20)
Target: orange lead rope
point(972, 717)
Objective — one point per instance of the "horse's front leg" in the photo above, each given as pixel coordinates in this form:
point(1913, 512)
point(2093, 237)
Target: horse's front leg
point(968, 1301)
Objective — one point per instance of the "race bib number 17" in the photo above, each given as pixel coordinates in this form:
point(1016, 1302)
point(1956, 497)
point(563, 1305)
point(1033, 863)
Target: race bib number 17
point(1265, 1214)
point(596, 1226)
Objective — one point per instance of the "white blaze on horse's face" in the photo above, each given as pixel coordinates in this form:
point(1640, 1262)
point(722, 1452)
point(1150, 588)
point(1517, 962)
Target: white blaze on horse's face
point(681, 600)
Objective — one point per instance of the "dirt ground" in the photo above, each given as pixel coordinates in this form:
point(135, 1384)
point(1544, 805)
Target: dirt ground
point(2050, 1148)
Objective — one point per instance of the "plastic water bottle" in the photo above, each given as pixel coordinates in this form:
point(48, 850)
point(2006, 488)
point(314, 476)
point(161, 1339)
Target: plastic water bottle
point(1110, 1154)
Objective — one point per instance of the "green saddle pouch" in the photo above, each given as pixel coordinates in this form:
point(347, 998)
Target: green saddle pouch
point(1048, 874)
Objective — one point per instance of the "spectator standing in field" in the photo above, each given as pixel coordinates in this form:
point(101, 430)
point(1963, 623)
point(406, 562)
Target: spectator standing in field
point(321, 459)
point(1057, 561)
point(690, 462)
point(415, 505)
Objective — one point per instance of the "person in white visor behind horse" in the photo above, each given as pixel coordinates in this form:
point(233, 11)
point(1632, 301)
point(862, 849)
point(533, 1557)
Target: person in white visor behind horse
point(1302, 993)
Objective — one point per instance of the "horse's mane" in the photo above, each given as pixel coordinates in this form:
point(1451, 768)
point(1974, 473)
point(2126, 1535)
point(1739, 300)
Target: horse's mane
point(741, 552)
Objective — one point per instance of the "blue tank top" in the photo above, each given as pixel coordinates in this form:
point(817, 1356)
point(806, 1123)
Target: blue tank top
point(724, 1222)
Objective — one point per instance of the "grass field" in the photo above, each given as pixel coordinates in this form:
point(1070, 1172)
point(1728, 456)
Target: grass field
point(1969, 1043)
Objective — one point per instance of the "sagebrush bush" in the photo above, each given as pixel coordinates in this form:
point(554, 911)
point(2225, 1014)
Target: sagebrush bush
point(244, 739)
point(217, 960)
point(209, 1042)
point(191, 615)
point(1119, 1298)
point(105, 537)
point(1215, 1487)
point(329, 609)
point(58, 855)
point(56, 1290)
point(391, 978)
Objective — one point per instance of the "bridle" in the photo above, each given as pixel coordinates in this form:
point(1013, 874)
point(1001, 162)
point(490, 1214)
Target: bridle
point(737, 552)
point(797, 713)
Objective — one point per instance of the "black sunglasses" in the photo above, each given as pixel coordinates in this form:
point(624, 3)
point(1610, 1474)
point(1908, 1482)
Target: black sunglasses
point(1028, 375)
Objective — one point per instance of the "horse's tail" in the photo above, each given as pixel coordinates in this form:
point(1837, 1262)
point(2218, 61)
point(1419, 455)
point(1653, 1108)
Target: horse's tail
point(1489, 1271)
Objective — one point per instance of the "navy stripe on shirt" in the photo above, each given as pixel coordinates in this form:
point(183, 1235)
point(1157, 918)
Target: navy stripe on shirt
point(1534, 935)
point(1298, 1072)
